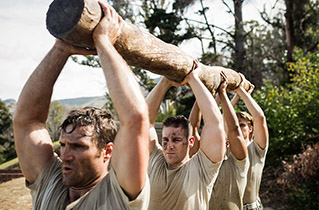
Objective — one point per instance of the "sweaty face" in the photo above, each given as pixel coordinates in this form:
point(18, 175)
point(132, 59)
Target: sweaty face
point(175, 146)
point(82, 163)
point(246, 129)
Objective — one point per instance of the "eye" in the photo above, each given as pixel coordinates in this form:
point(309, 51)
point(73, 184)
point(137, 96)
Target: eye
point(177, 140)
point(164, 142)
point(62, 144)
point(77, 146)
point(242, 125)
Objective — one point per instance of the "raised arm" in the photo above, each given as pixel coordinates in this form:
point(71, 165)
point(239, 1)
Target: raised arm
point(236, 139)
point(131, 146)
point(154, 100)
point(236, 97)
point(32, 141)
point(212, 136)
point(195, 119)
point(260, 124)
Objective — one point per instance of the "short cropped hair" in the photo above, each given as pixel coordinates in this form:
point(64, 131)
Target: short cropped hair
point(245, 116)
point(105, 128)
point(179, 121)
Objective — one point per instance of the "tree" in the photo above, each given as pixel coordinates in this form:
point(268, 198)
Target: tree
point(300, 27)
point(54, 119)
point(7, 150)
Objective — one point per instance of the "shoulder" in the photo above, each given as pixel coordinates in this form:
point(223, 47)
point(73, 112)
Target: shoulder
point(256, 152)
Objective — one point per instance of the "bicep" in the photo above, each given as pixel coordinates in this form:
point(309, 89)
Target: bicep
point(130, 158)
point(261, 132)
point(213, 142)
point(34, 149)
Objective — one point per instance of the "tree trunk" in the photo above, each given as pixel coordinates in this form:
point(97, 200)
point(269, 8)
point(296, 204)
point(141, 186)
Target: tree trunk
point(138, 47)
point(289, 36)
point(239, 38)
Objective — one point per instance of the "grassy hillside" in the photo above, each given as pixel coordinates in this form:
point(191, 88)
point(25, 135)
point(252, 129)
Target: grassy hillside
point(97, 101)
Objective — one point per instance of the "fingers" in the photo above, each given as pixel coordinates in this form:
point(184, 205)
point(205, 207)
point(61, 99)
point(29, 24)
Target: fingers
point(223, 85)
point(224, 76)
point(196, 63)
point(251, 88)
point(111, 24)
point(73, 50)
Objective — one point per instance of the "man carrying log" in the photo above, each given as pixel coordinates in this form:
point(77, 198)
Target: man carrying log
point(230, 184)
point(177, 181)
point(255, 132)
point(80, 178)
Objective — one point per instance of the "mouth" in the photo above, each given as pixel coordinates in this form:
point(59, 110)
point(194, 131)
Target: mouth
point(66, 169)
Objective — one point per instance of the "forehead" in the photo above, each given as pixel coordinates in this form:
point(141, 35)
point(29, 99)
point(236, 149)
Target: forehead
point(79, 133)
point(241, 120)
point(172, 131)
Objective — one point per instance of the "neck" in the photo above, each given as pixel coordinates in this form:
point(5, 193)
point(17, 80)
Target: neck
point(77, 192)
point(179, 164)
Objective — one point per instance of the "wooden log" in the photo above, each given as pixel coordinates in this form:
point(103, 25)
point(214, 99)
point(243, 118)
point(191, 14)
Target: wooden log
point(74, 21)
point(137, 46)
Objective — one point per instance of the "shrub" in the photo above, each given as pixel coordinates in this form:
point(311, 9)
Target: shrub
point(301, 179)
point(292, 111)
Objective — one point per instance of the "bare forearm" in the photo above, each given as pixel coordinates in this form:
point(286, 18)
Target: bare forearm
point(229, 112)
point(123, 88)
point(195, 116)
point(250, 103)
point(205, 101)
point(155, 98)
point(236, 140)
point(235, 100)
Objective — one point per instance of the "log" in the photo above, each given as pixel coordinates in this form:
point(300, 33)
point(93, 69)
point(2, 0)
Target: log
point(74, 21)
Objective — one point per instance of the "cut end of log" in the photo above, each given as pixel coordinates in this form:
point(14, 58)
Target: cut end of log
point(63, 17)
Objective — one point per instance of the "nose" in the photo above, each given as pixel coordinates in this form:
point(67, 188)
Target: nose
point(170, 145)
point(65, 154)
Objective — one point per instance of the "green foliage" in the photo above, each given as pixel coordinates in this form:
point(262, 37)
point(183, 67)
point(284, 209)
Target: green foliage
point(87, 60)
point(7, 150)
point(292, 111)
point(54, 119)
point(144, 79)
point(305, 23)
point(305, 197)
point(185, 106)
point(161, 116)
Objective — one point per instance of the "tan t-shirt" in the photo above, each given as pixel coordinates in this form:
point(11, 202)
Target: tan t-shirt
point(230, 184)
point(49, 193)
point(186, 187)
point(257, 158)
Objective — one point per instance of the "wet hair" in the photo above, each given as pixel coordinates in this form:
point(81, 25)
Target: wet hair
point(179, 121)
point(245, 116)
point(105, 128)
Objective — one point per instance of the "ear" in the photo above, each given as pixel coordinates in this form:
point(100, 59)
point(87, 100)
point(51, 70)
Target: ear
point(251, 132)
point(191, 141)
point(107, 151)
point(251, 129)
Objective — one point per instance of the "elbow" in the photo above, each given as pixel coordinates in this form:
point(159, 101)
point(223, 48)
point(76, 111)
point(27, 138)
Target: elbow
point(233, 128)
point(18, 119)
point(260, 118)
point(137, 118)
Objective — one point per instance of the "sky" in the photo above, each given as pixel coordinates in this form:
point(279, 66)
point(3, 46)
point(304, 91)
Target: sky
point(24, 41)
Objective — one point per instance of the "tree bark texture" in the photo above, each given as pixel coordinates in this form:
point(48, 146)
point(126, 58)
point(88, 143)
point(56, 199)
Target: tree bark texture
point(239, 38)
point(138, 47)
